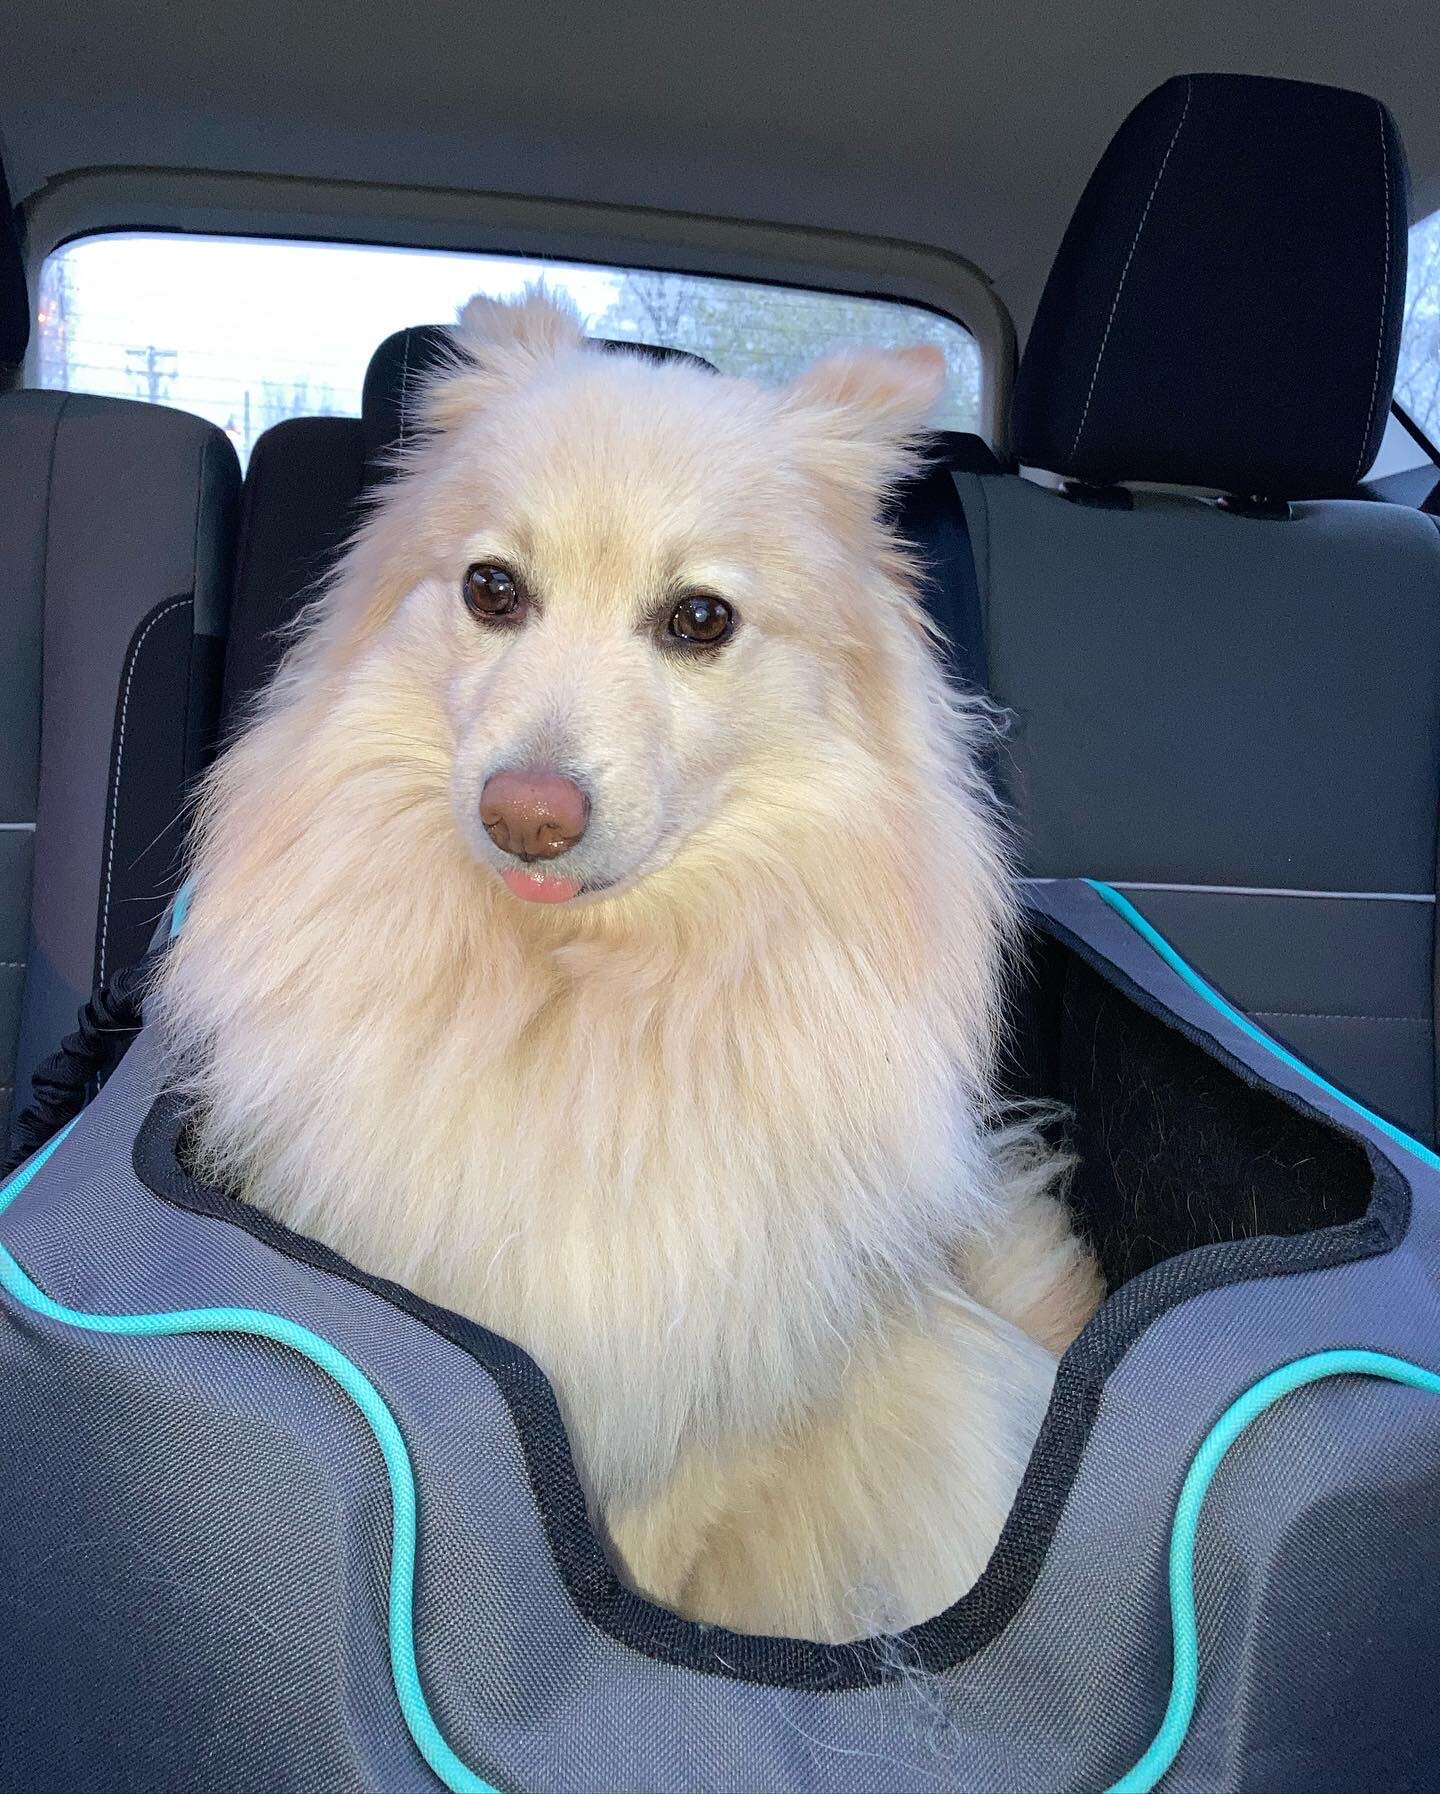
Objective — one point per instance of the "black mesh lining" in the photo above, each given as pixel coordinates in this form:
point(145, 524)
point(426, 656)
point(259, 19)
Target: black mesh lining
point(1076, 998)
point(1174, 1151)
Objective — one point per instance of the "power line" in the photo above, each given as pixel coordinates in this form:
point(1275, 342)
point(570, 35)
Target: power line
point(152, 366)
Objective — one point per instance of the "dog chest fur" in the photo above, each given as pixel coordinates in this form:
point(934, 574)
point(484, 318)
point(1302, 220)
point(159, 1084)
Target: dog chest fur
point(687, 1195)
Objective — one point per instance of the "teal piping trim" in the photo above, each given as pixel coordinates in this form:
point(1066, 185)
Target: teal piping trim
point(1123, 907)
point(20, 1178)
point(180, 908)
point(1248, 1407)
point(1255, 1400)
point(258, 1324)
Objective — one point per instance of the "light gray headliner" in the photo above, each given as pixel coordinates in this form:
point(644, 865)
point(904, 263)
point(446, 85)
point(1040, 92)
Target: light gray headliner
point(968, 127)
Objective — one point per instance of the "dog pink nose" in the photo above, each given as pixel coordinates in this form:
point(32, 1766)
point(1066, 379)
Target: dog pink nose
point(534, 815)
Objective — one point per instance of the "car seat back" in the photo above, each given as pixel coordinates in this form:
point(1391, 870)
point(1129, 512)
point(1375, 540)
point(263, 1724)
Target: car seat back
point(115, 569)
point(1229, 703)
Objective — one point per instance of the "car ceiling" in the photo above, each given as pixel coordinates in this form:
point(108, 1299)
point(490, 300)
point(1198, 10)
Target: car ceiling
point(970, 127)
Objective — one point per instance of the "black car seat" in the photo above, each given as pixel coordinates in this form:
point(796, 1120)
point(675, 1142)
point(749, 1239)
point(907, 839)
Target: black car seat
point(1230, 704)
point(116, 526)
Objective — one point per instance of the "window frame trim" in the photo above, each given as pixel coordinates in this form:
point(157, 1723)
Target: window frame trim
point(103, 201)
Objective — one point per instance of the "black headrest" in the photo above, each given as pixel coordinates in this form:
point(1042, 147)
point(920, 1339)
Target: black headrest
point(399, 366)
point(14, 296)
point(1225, 307)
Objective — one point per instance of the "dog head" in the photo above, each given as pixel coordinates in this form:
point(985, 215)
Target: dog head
point(651, 612)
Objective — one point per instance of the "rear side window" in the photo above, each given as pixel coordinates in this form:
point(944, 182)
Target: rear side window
point(248, 331)
point(1417, 377)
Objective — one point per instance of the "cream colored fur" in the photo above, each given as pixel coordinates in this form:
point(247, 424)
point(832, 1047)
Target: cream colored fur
point(713, 1144)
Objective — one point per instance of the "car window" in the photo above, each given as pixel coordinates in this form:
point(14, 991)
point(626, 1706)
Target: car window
point(1417, 377)
point(247, 331)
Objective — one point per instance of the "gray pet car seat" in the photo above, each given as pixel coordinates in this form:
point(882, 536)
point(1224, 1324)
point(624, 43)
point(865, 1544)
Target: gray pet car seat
point(273, 1524)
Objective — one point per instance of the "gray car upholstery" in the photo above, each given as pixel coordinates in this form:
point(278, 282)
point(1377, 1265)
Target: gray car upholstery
point(14, 299)
point(1234, 710)
point(115, 575)
point(1242, 711)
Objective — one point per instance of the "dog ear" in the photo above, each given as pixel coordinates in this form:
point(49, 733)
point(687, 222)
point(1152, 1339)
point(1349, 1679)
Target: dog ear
point(499, 343)
point(537, 325)
point(863, 413)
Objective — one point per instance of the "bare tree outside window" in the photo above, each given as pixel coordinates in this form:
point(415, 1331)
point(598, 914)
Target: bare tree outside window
point(772, 333)
point(1417, 379)
point(54, 318)
point(279, 400)
point(649, 308)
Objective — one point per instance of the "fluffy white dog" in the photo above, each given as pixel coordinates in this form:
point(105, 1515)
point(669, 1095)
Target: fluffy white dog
point(599, 930)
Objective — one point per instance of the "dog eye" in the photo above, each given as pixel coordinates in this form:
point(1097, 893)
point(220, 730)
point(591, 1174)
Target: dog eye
point(702, 620)
point(492, 593)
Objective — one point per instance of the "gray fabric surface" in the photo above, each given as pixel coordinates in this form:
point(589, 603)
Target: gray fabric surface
point(27, 432)
point(1200, 697)
point(192, 1574)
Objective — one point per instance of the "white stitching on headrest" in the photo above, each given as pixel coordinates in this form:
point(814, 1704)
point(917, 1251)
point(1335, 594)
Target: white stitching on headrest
point(1124, 272)
point(1384, 299)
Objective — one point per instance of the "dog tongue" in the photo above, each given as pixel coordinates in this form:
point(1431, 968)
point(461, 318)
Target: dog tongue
point(540, 890)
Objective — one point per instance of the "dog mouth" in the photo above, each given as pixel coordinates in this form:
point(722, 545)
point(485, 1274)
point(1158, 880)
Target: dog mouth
point(540, 887)
point(532, 886)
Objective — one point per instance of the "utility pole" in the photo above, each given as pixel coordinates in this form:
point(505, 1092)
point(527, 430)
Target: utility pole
point(149, 367)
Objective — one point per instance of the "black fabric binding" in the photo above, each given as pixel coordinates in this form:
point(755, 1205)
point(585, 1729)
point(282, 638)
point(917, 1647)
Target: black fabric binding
point(62, 1084)
point(978, 1617)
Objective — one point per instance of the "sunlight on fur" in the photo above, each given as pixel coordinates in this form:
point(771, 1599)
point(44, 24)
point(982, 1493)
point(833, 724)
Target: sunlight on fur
point(715, 1139)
